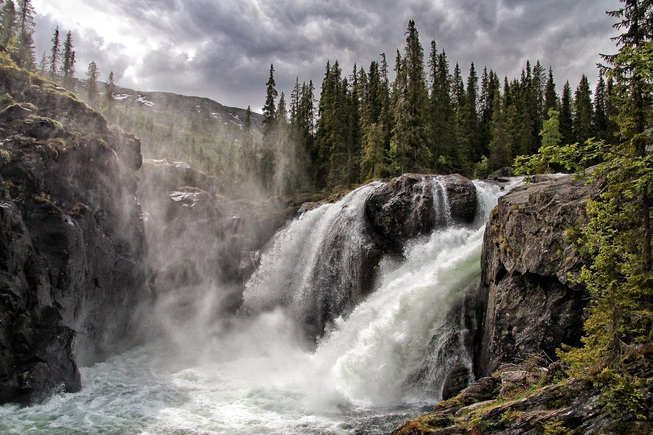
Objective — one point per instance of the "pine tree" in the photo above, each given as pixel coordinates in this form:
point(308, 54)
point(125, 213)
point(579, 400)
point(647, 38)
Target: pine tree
point(92, 75)
point(500, 152)
point(68, 65)
point(269, 108)
point(550, 95)
point(43, 64)
point(583, 111)
point(410, 108)
point(600, 119)
point(267, 165)
point(566, 116)
point(55, 54)
point(470, 120)
point(443, 127)
point(24, 55)
point(373, 143)
point(110, 87)
point(8, 26)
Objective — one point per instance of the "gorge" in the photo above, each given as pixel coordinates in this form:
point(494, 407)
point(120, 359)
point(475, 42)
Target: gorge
point(136, 299)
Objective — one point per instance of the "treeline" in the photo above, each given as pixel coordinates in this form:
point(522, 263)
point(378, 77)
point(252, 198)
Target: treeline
point(426, 119)
point(17, 30)
point(16, 38)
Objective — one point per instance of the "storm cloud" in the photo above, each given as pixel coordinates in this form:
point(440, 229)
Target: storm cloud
point(222, 49)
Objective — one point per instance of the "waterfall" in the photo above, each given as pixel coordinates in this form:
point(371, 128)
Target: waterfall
point(315, 266)
point(383, 355)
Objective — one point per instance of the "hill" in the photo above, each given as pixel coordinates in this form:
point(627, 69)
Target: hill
point(199, 131)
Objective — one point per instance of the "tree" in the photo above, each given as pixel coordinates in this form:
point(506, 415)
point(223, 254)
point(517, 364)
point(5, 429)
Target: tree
point(267, 164)
point(110, 87)
point(68, 65)
point(24, 55)
point(8, 25)
point(583, 112)
point(92, 75)
point(551, 129)
point(600, 119)
point(550, 94)
point(55, 54)
point(566, 116)
point(269, 108)
point(410, 107)
point(616, 242)
point(443, 117)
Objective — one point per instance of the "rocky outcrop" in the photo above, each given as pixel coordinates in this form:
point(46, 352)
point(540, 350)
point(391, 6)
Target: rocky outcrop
point(71, 270)
point(528, 300)
point(414, 205)
point(529, 399)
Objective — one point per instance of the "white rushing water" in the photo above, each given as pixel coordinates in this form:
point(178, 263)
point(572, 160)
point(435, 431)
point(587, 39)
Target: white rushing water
point(257, 376)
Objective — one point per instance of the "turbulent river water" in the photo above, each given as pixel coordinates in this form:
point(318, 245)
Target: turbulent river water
point(257, 376)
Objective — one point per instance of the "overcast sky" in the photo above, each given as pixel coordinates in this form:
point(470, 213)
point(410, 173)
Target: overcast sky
point(222, 49)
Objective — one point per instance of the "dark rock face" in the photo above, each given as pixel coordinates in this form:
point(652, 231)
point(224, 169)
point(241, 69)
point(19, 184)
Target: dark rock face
point(527, 302)
point(413, 205)
point(71, 248)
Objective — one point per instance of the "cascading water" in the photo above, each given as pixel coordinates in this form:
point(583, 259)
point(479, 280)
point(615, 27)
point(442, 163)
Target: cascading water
point(383, 354)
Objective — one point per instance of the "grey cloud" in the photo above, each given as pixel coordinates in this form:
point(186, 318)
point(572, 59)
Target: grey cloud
point(236, 41)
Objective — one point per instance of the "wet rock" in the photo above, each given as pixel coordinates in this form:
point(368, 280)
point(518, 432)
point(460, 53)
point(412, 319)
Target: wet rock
point(414, 205)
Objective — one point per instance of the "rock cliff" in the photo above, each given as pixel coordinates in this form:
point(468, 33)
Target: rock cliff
point(528, 301)
point(72, 274)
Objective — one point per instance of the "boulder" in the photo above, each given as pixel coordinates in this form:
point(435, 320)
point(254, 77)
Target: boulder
point(414, 205)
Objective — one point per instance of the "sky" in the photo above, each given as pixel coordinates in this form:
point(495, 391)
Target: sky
point(223, 49)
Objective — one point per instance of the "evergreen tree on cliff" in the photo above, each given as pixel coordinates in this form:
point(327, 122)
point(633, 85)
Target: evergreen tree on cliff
point(616, 241)
point(267, 165)
point(8, 26)
point(68, 64)
point(92, 75)
point(24, 55)
point(55, 54)
point(583, 111)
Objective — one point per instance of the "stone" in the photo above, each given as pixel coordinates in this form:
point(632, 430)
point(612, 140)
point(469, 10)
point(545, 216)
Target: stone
point(412, 205)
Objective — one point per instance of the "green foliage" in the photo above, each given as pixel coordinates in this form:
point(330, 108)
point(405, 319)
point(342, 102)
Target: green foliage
point(551, 130)
point(555, 427)
point(622, 395)
point(5, 156)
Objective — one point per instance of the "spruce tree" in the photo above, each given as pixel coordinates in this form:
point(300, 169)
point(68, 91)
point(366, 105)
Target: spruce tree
point(8, 26)
point(55, 54)
point(550, 95)
point(583, 111)
point(68, 64)
point(267, 164)
point(92, 75)
point(566, 116)
point(600, 120)
point(410, 108)
point(24, 55)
